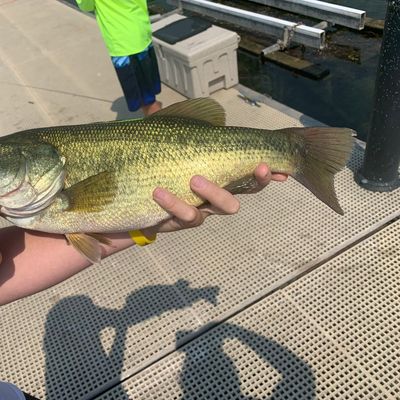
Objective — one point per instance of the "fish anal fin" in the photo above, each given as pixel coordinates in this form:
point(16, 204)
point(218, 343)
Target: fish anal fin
point(100, 238)
point(203, 109)
point(88, 244)
point(93, 193)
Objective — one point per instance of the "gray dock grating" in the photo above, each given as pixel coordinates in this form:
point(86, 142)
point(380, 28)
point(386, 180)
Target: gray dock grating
point(333, 334)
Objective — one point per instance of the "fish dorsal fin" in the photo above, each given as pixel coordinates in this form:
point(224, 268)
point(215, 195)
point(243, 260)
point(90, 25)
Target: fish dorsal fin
point(203, 109)
point(88, 244)
point(93, 193)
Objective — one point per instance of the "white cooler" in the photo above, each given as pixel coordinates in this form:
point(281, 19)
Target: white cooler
point(199, 65)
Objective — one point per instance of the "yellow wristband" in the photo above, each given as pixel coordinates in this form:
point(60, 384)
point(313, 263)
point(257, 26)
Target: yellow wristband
point(140, 239)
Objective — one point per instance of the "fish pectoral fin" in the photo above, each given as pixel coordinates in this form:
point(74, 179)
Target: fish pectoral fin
point(204, 109)
point(88, 244)
point(93, 193)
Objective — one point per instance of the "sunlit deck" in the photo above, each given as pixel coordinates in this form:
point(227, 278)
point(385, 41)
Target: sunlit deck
point(285, 300)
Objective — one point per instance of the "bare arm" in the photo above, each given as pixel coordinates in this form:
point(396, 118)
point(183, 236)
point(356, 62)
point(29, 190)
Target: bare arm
point(34, 261)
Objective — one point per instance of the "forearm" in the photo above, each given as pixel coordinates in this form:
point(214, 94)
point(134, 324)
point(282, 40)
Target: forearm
point(34, 261)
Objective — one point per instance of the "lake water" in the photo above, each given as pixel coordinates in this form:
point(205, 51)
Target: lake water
point(345, 96)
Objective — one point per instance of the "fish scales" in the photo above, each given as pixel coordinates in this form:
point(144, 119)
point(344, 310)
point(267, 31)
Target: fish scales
point(100, 177)
point(149, 153)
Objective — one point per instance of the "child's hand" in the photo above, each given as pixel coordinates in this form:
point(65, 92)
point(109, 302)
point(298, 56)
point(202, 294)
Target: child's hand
point(219, 201)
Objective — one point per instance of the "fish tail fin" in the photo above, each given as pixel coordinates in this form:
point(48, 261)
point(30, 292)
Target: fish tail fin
point(327, 151)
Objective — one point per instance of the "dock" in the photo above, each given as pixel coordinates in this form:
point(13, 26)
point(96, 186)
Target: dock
point(285, 300)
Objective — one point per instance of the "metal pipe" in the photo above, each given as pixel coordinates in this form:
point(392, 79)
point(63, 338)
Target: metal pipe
point(340, 15)
point(302, 34)
point(380, 171)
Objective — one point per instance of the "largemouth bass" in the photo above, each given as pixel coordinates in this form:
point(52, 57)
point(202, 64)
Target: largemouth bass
point(83, 180)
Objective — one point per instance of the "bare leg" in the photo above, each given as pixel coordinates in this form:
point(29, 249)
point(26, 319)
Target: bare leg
point(151, 108)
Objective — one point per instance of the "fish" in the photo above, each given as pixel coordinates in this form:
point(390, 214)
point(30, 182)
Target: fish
point(87, 180)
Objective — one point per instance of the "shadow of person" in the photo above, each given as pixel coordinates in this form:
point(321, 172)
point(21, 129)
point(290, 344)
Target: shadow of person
point(77, 363)
point(209, 371)
point(120, 107)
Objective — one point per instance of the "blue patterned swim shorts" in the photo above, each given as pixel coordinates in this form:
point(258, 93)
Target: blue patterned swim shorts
point(139, 77)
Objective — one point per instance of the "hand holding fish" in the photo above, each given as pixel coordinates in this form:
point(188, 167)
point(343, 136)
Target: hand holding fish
point(218, 201)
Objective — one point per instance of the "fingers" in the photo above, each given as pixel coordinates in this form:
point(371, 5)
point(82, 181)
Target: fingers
point(187, 216)
point(182, 211)
point(263, 175)
point(279, 177)
point(221, 200)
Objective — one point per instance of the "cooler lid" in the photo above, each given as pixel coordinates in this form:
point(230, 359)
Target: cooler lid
point(182, 29)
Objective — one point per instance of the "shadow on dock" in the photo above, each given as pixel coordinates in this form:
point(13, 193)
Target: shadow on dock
point(76, 359)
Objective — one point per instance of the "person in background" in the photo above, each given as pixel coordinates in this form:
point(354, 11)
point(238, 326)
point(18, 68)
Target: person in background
point(126, 30)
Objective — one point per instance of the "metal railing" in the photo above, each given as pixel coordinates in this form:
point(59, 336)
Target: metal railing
point(345, 16)
point(302, 34)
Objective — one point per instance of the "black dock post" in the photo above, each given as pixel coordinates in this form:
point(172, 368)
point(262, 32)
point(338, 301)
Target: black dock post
point(380, 171)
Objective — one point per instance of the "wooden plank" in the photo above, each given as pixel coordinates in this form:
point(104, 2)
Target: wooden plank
point(300, 66)
point(374, 24)
point(251, 46)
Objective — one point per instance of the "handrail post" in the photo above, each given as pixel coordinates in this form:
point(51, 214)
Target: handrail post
point(380, 170)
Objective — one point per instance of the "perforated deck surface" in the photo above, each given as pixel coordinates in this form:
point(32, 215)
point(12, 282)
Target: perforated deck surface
point(332, 334)
point(198, 315)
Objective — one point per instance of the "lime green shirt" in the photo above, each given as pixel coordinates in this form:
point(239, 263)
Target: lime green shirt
point(124, 24)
